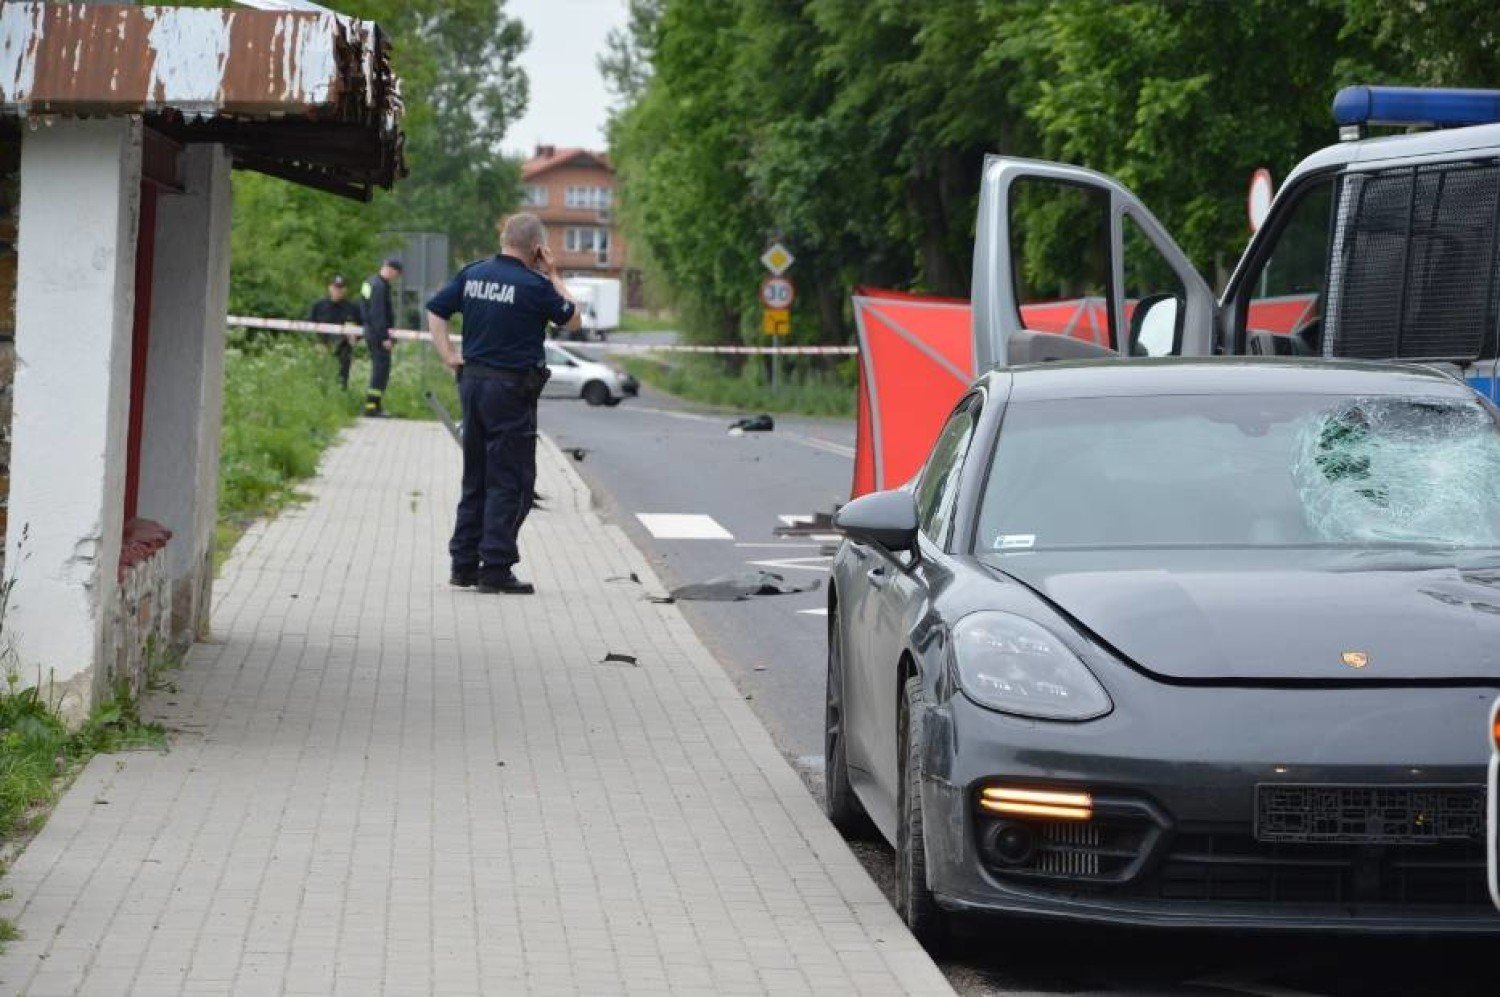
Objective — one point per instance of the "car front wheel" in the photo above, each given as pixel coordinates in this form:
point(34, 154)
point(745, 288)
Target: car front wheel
point(596, 393)
point(914, 900)
point(840, 803)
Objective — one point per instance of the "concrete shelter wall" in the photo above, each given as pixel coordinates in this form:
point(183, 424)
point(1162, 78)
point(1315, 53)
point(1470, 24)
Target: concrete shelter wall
point(79, 207)
point(184, 379)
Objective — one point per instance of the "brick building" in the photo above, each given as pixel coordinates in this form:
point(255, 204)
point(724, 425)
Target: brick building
point(573, 192)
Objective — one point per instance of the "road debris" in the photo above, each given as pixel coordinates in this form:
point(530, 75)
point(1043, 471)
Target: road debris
point(736, 588)
point(577, 453)
point(632, 577)
point(762, 423)
point(617, 658)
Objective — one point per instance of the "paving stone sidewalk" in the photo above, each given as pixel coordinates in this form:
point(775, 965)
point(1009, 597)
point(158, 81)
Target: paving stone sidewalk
point(378, 784)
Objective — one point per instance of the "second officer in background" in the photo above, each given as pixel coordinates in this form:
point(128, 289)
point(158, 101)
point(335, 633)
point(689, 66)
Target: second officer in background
point(380, 318)
point(506, 302)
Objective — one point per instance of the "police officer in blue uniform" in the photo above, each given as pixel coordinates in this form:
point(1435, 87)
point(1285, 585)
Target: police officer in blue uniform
point(506, 302)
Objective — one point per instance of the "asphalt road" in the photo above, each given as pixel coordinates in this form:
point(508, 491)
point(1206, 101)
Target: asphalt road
point(654, 455)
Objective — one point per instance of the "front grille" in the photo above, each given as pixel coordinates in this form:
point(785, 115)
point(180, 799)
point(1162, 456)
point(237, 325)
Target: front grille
point(1108, 849)
point(1234, 867)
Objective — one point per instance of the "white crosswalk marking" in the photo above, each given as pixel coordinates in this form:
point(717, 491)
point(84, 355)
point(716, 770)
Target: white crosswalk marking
point(683, 526)
point(820, 611)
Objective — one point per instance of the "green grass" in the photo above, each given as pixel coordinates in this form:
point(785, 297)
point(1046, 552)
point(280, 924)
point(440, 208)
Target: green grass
point(39, 756)
point(282, 408)
point(822, 390)
point(645, 322)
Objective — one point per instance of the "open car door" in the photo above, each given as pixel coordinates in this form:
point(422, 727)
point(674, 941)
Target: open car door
point(1069, 263)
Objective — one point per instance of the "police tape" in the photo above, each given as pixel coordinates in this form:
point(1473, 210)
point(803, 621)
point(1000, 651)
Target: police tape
point(330, 329)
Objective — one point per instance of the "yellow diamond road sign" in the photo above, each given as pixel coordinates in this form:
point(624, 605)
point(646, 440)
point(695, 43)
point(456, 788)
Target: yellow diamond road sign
point(778, 259)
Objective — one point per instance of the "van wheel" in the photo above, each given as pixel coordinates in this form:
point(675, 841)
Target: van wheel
point(596, 393)
point(914, 900)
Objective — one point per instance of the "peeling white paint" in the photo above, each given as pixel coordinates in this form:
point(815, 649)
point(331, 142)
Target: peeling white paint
point(18, 23)
point(191, 48)
point(313, 63)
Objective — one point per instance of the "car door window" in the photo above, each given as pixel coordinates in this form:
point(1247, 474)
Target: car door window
point(1286, 294)
point(1060, 255)
point(937, 490)
point(1151, 282)
point(557, 358)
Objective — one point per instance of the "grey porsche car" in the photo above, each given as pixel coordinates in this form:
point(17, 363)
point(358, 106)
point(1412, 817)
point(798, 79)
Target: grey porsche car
point(1179, 642)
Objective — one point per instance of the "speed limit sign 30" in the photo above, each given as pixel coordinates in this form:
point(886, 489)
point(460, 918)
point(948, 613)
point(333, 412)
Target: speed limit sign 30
point(777, 292)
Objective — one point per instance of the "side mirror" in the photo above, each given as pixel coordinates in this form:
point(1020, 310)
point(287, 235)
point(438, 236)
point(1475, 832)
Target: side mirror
point(881, 519)
point(1156, 326)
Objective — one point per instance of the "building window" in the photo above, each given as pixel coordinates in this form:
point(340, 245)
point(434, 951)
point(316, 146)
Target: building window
point(588, 197)
point(536, 195)
point(587, 240)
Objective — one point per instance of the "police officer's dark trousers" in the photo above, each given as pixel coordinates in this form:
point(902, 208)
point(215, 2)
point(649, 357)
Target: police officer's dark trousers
point(380, 374)
point(499, 441)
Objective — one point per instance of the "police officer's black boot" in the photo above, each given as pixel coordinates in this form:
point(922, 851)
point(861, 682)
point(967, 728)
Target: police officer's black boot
point(491, 583)
point(374, 408)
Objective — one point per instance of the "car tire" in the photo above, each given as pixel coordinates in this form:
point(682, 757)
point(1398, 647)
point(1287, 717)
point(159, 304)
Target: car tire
point(614, 400)
point(840, 802)
point(596, 393)
point(914, 900)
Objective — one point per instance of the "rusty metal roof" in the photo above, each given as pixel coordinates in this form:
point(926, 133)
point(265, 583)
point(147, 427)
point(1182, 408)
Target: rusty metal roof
point(309, 96)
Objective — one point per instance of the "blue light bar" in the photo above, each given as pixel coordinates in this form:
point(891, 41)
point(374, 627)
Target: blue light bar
point(1400, 106)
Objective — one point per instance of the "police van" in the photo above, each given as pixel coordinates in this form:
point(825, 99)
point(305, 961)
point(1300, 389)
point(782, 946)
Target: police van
point(1374, 248)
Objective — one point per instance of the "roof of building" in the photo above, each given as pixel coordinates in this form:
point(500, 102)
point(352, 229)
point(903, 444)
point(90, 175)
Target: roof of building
point(308, 96)
point(549, 157)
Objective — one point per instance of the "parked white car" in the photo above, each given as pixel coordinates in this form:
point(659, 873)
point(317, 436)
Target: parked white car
point(576, 376)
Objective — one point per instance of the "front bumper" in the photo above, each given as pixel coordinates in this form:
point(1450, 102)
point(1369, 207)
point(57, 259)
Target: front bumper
point(1173, 773)
point(629, 386)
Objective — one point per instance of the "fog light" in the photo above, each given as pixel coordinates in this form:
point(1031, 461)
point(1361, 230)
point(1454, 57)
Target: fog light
point(1037, 803)
point(1011, 844)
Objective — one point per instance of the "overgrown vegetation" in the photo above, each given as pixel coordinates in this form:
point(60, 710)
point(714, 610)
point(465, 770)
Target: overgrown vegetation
point(282, 408)
point(815, 389)
point(632, 322)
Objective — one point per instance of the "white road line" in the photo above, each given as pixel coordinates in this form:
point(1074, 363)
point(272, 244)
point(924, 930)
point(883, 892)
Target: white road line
point(797, 563)
point(794, 519)
point(806, 546)
point(820, 611)
point(682, 526)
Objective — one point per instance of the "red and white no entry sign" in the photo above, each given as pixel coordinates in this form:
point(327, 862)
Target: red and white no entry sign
point(777, 292)
point(1260, 198)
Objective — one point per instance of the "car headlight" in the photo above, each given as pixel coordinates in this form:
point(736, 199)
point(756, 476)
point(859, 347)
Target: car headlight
point(1008, 663)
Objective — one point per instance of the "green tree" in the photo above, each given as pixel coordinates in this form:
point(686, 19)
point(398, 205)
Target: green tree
point(462, 87)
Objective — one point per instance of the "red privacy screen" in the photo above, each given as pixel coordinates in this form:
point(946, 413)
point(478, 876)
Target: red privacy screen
point(917, 357)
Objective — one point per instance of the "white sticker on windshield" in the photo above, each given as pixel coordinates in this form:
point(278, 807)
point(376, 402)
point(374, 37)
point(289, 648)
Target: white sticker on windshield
point(1015, 541)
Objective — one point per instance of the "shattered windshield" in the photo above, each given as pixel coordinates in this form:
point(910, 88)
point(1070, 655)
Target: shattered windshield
point(1244, 470)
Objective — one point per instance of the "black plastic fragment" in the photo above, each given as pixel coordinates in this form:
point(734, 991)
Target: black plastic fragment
point(762, 423)
point(617, 658)
point(737, 588)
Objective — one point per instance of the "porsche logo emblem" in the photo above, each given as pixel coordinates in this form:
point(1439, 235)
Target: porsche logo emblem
point(1356, 659)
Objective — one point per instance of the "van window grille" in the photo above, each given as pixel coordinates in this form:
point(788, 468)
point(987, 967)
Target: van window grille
point(1415, 264)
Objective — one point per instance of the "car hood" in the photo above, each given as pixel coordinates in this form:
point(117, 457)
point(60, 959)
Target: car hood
point(1280, 615)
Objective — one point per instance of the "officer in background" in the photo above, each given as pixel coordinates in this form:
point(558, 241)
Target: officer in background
point(380, 317)
point(506, 302)
point(335, 308)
